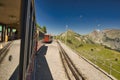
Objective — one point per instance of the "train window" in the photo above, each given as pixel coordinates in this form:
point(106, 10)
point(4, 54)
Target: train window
point(9, 31)
point(0, 28)
point(91, 28)
point(13, 30)
point(0, 33)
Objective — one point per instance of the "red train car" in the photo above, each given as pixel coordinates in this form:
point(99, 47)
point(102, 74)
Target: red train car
point(47, 38)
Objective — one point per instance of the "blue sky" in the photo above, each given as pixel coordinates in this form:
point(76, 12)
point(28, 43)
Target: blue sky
point(82, 16)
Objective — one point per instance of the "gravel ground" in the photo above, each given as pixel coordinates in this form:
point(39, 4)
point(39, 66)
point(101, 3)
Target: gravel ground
point(90, 72)
point(7, 67)
point(49, 65)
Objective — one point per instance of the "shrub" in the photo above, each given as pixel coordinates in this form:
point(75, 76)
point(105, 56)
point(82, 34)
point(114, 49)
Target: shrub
point(80, 45)
point(116, 59)
point(69, 41)
point(92, 49)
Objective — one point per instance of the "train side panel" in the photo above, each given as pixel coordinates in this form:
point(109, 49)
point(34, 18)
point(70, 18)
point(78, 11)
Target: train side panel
point(47, 38)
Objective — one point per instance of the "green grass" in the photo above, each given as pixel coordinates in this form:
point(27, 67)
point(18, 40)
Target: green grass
point(97, 54)
point(101, 55)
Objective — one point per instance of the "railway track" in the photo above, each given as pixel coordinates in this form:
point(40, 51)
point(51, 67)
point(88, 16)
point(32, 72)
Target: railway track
point(4, 50)
point(71, 71)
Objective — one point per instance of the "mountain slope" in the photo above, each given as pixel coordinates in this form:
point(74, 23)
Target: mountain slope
point(74, 38)
point(109, 37)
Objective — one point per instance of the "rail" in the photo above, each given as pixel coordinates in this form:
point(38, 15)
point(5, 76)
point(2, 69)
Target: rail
point(4, 51)
point(72, 72)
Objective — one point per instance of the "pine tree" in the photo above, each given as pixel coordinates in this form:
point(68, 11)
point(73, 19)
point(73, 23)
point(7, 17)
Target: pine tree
point(44, 29)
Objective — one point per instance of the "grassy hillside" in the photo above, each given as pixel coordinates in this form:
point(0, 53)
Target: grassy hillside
point(108, 60)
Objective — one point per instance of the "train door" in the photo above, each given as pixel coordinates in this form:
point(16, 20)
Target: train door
point(28, 40)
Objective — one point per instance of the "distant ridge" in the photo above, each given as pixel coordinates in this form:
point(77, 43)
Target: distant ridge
point(108, 37)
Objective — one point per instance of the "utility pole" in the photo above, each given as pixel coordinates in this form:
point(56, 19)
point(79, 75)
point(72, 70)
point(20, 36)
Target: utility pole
point(66, 35)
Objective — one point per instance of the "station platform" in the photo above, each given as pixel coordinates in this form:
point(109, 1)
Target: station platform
point(48, 63)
